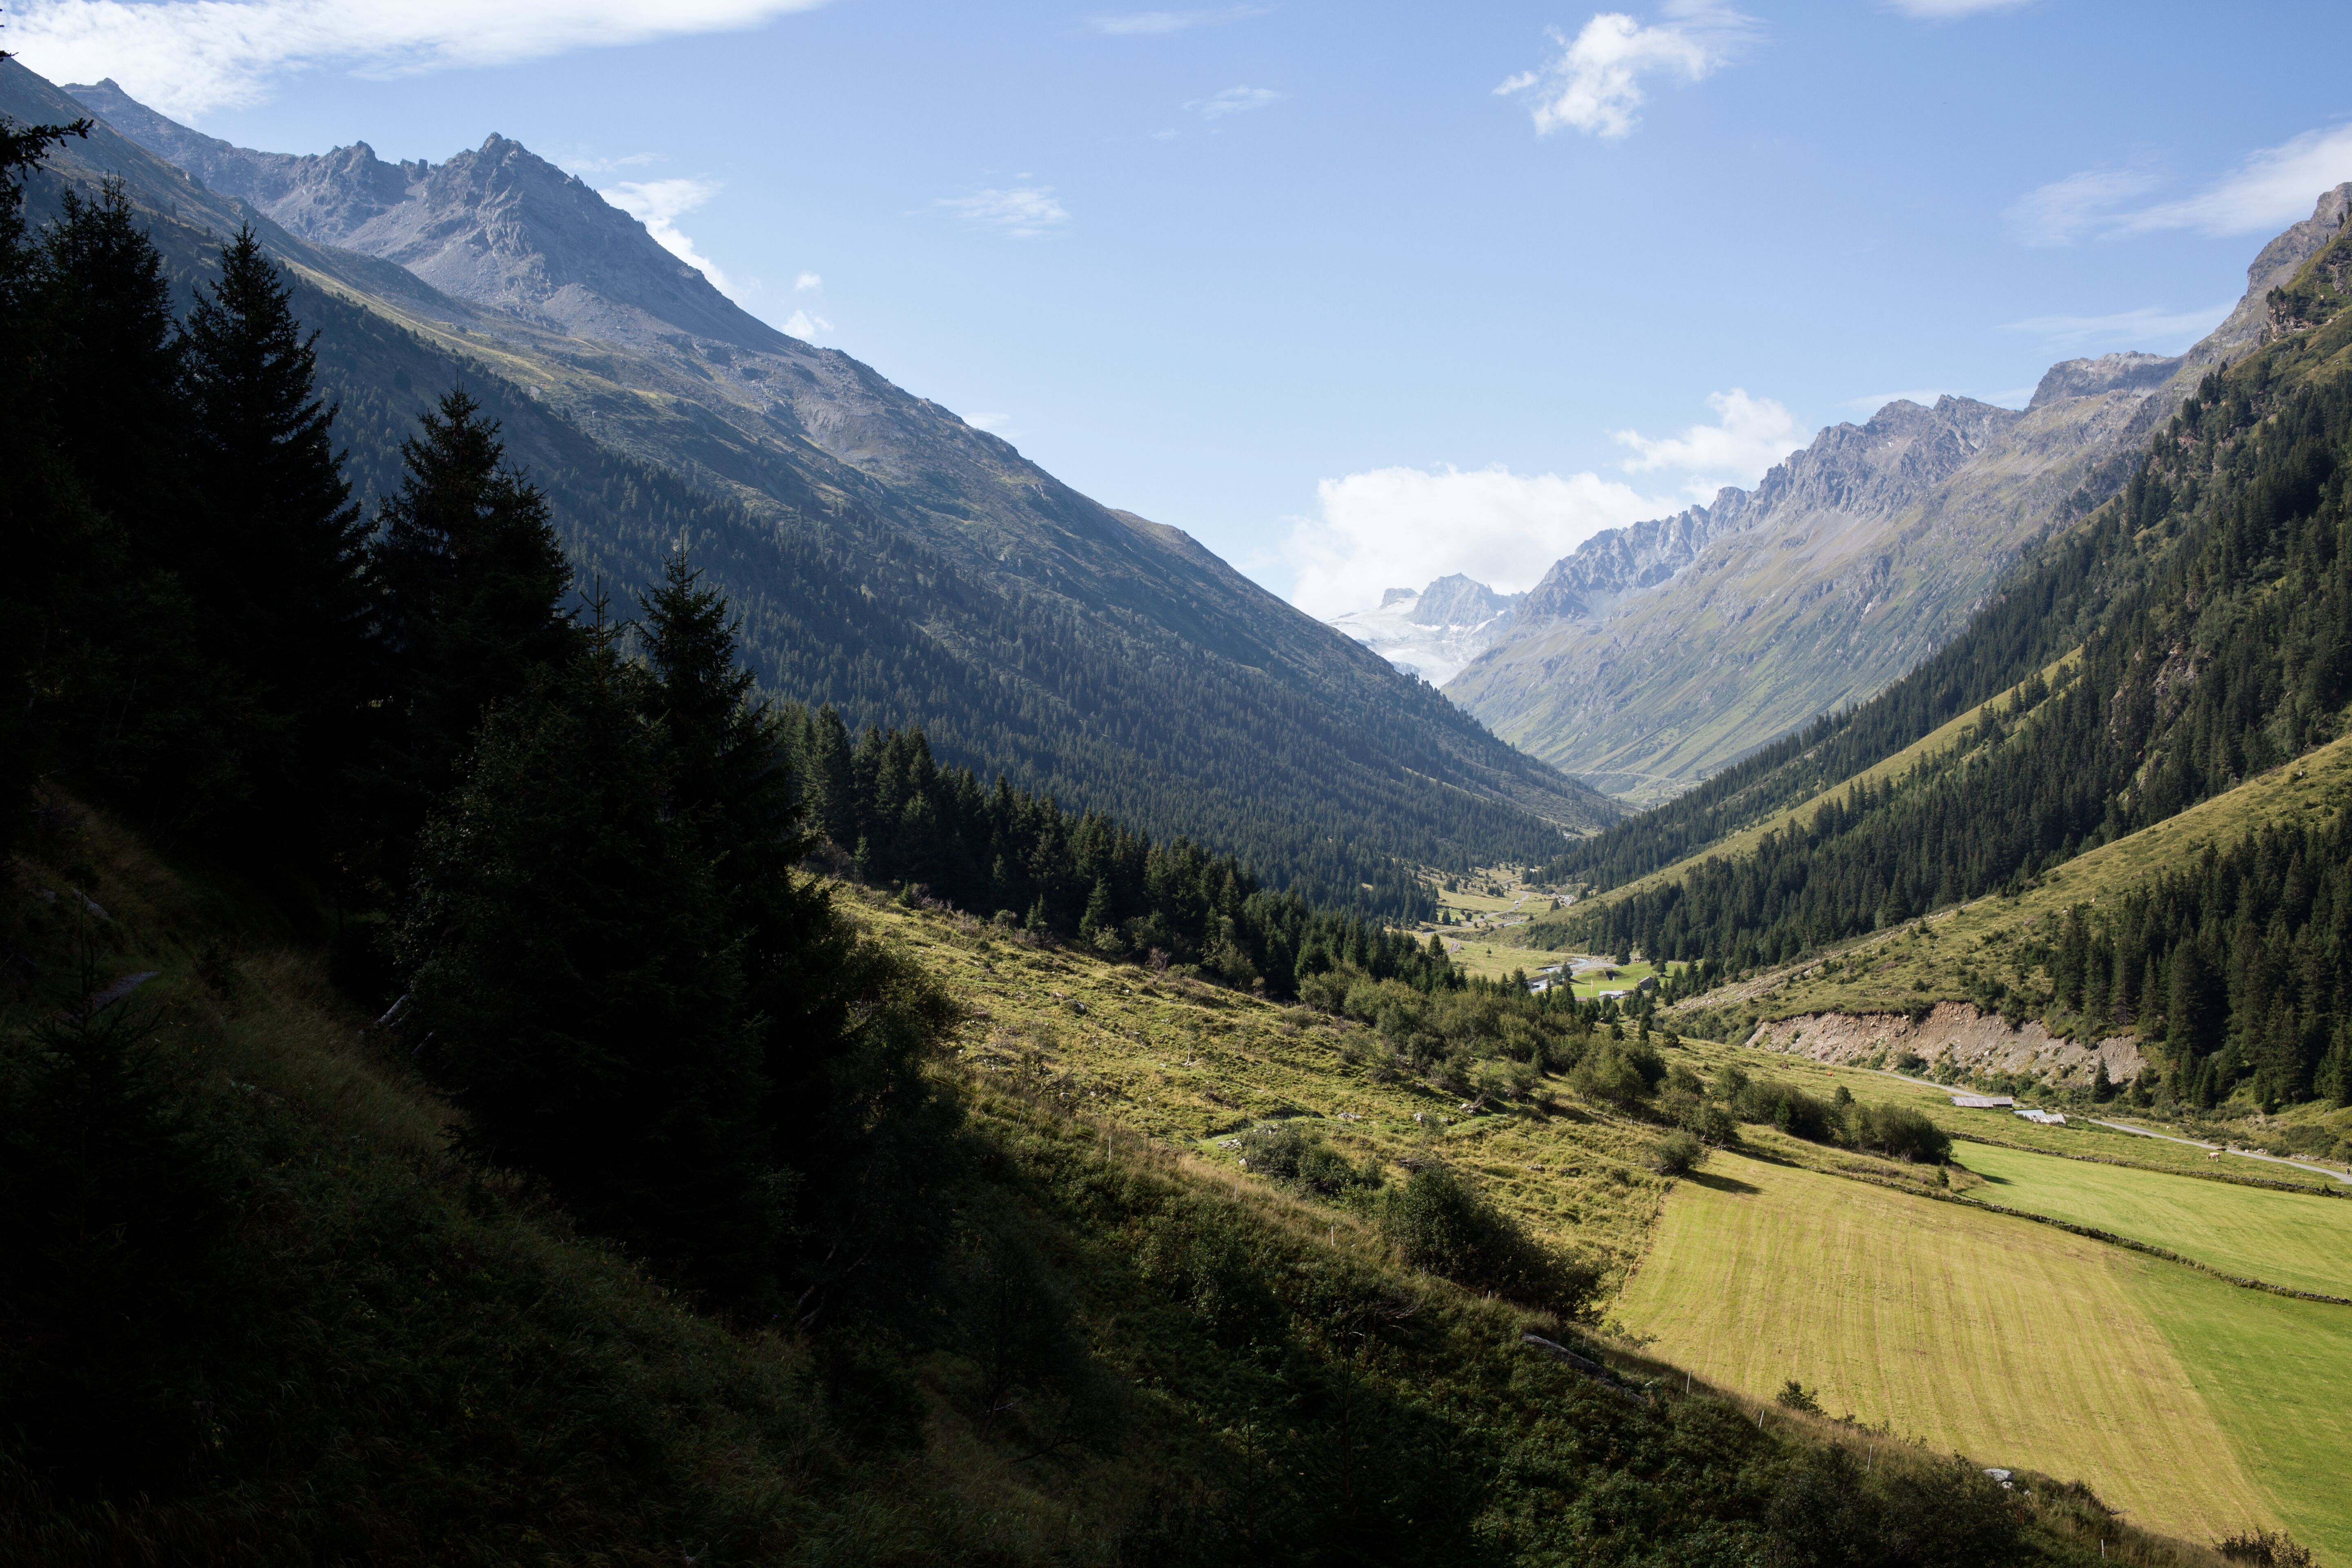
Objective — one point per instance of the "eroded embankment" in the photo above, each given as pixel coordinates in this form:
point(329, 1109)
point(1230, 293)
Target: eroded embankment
point(1950, 1034)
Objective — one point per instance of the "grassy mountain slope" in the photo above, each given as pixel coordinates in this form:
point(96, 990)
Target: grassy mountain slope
point(890, 559)
point(336, 1341)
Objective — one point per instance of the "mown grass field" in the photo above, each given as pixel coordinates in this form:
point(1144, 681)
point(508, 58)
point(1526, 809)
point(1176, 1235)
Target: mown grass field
point(2016, 1343)
point(2277, 1374)
point(2285, 1238)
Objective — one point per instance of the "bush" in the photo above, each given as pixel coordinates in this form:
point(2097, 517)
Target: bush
point(1786, 1107)
point(1899, 1132)
point(1443, 1226)
point(1678, 1154)
point(1300, 1159)
point(1829, 1509)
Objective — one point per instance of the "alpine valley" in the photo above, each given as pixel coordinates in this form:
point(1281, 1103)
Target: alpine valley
point(623, 943)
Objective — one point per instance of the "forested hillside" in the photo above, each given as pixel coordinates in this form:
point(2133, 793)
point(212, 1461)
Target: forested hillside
point(2211, 604)
point(913, 571)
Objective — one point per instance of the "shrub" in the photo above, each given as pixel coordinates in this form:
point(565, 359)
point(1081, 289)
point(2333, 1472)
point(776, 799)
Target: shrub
point(1829, 1509)
point(2265, 1549)
point(1299, 1158)
point(1786, 1107)
point(1795, 1395)
point(1900, 1132)
point(1678, 1154)
point(1443, 1226)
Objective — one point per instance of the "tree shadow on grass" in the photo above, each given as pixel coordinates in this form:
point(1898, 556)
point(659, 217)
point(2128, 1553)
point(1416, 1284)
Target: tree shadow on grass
point(1724, 1184)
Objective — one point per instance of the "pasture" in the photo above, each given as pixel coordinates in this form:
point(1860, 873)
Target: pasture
point(2277, 1375)
point(2285, 1238)
point(2016, 1343)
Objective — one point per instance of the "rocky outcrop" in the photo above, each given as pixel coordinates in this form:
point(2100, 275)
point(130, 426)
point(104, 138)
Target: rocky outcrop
point(1953, 1035)
point(1590, 582)
point(2125, 372)
point(2274, 267)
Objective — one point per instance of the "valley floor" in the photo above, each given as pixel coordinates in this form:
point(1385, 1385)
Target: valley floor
point(2199, 1406)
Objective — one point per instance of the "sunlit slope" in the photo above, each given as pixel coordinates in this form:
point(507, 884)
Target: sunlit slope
point(1895, 970)
point(2284, 1238)
point(2017, 1344)
point(1945, 741)
point(2277, 1374)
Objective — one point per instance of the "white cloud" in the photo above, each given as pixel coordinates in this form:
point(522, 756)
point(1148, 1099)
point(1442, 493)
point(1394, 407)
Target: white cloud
point(1144, 24)
point(1403, 528)
point(990, 422)
point(2064, 211)
point(1750, 436)
point(187, 57)
point(801, 324)
point(1024, 212)
point(807, 280)
point(1946, 10)
point(1595, 84)
point(2156, 327)
point(2270, 189)
point(659, 204)
point(1233, 101)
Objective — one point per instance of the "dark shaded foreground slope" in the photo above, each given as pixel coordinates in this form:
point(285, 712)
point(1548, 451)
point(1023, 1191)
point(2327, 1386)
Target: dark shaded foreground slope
point(261, 1315)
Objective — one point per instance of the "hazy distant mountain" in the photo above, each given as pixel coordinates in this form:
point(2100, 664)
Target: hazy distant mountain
point(1434, 633)
point(887, 556)
point(1659, 653)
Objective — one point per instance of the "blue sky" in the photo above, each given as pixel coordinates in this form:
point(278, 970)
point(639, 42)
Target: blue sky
point(1360, 294)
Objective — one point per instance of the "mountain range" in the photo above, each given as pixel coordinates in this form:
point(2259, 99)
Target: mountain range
point(1657, 654)
point(886, 556)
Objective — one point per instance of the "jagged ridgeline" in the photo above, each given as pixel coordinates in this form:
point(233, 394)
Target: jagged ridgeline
point(2195, 632)
point(886, 558)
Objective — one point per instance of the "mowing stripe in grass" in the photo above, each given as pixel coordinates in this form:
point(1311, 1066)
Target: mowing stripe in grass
point(2296, 1241)
point(2013, 1342)
point(2277, 1374)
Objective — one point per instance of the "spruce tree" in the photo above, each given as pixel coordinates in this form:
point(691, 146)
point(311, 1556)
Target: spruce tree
point(469, 582)
point(831, 784)
point(575, 988)
point(285, 578)
point(44, 522)
point(127, 632)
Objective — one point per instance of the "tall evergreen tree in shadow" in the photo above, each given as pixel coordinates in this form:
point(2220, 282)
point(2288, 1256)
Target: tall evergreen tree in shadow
point(470, 582)
point(283, 580)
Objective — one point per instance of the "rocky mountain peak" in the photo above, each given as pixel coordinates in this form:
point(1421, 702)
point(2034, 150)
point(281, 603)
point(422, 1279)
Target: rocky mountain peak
point(2109, 372)
point(499, 226)
point(1434, 633)
point(2274, 266)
